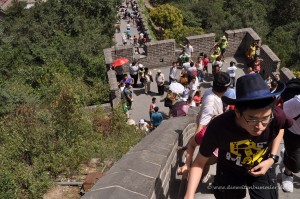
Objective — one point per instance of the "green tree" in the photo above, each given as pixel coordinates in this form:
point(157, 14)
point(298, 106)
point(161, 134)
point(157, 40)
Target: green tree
point(285, 42)
point(180, 33)
point(246, 13)
point(167, 16)
point(285, 12)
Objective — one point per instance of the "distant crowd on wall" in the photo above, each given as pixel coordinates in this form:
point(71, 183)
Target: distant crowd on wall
point(129, 12)
point(188, 73)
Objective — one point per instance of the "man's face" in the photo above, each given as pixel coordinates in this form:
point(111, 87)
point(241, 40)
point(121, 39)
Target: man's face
point(254, 121)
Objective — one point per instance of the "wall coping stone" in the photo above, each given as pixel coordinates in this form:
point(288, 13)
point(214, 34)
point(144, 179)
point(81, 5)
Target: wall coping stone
point(201, 36)
point(287, 73)
point(107, 55)
point(161, 42)
point(271, 54)
point(253, 34)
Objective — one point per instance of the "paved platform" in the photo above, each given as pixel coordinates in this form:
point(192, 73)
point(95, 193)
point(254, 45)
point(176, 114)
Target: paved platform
point(141, 103)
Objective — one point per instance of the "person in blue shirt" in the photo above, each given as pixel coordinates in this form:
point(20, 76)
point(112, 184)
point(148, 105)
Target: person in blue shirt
point(156, 118)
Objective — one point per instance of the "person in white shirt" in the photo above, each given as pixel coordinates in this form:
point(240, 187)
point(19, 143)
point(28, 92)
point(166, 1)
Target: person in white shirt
point(193, 86)
point(160, 81)
point(173, 72)
point(188, 49)
point(231, 71)
point(291, 154)
point(121, 89)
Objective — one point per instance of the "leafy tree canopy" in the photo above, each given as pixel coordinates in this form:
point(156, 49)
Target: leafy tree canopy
point(167, 16)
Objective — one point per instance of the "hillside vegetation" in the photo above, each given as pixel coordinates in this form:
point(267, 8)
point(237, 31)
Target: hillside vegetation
point(51, 67)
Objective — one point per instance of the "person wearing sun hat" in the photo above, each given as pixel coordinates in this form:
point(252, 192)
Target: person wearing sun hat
point(248, 139)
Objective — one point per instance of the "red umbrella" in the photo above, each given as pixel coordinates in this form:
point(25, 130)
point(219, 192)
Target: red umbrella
point(119, 62)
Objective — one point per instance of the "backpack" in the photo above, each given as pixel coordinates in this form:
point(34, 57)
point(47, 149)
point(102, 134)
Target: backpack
point(168, 102)
point(292, 89)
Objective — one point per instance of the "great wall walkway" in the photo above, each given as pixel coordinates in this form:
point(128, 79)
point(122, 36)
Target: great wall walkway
point(133, 177)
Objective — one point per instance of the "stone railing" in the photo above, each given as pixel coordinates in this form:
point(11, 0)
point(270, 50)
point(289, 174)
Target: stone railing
point(202, 44)
point(271, 62)
point(148, 170)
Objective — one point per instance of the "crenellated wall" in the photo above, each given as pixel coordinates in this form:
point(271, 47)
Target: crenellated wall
point(202, 43)
point(271, 62)
point(159, 54)
point(239, 41)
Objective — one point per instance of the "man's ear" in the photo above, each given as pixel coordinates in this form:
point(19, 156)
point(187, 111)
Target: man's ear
point(237, 113)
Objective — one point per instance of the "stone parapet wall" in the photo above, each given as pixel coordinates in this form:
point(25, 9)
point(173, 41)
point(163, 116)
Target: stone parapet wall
point(115, 95)
point(147, 170)
point(159, 54)
point(202, 44)
point(286, 74)
point(239, 41)
point(271, 62)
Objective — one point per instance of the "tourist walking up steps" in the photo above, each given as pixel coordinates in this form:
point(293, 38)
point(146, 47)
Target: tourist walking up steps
point(248, 139)
point(212, 106)
point(291, 154)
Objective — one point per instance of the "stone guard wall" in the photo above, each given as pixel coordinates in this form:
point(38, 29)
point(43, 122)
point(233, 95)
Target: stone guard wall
point(239, 41)
point(202, 43)
point(159, 54)
point(149, 169)
point(271, 62)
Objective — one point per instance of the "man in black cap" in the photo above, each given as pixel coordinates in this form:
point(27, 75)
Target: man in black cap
point(211, 107)
point(248, 139)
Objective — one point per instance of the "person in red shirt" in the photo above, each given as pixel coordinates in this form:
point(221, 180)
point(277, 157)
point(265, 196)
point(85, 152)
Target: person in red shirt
point(197, 98)
point(205, 63)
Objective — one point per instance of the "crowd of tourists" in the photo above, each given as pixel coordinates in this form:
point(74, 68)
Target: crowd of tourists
point(130, 13)
point(239, 126)
point(240, 123)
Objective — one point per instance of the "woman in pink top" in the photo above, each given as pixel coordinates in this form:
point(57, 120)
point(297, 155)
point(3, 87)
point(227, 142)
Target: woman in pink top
point(197, 98)
point(205, 61)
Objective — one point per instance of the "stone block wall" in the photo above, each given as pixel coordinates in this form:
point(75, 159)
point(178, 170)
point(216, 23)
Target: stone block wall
point(239, 41)
point(286, 74)
point(115, 95)
point(159, 54)
point(123, 51)
point(149, 169)
point(271, 62)
point(202, 43)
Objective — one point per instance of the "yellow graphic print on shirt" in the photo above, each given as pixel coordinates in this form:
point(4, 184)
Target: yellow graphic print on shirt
point(247, 152)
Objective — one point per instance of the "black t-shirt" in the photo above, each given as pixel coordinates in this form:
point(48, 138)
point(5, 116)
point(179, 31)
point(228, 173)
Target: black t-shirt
point(238, 150)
